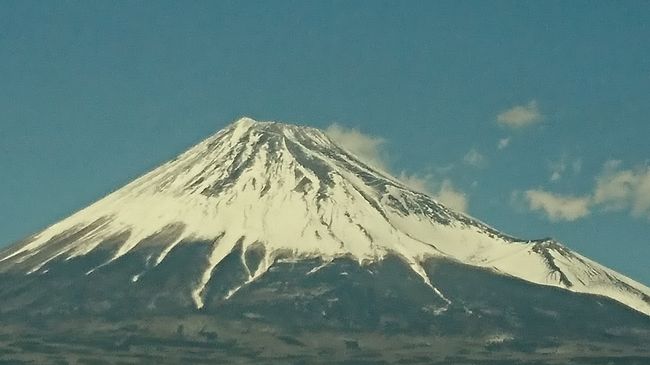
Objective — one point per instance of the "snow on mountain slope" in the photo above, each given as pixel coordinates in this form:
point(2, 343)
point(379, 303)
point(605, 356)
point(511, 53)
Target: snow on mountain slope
point(294, 190)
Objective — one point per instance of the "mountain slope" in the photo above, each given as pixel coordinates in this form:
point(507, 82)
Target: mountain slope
point(270, 192)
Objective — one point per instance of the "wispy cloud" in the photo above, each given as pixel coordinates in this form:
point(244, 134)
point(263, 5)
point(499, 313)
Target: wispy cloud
point(520, 115)
point(616, 189)
point(503, 143)
point(368, 148)
point(564, 165)
point(558, 207)
point(371, 149)
point(450, 196)
point(475, 158)
point(444, 192)
point(624, 189)
point(421, 183)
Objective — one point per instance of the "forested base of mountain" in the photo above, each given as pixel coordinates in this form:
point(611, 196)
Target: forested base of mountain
point(210, 339)
point(307, 312)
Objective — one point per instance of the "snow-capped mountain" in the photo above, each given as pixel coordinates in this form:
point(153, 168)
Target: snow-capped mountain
point(289, 193)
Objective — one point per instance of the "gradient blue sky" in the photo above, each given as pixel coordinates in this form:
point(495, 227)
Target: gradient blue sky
point(92, 94)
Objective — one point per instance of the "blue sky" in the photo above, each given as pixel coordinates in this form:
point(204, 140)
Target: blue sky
point(532, 116)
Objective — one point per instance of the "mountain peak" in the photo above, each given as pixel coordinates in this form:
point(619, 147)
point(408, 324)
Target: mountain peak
point(244, 121)
point(290, 191)
point(244, 124)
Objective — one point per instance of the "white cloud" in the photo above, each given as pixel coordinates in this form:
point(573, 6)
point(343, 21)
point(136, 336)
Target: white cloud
point(503, 143)
point(562, 166)
point(555, 176)
point(419, 183)
point(520, 115)
point(452, 197)
point(614, 187)
point(557, 169)
point(445, 192)
point(618, 189)
point(368, 148)
point(371, 150)
point(558, 207)
point(475, 158)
